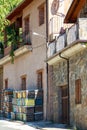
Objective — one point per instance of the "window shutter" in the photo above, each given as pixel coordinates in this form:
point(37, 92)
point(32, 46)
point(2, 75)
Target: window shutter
point(78, 91)
point(41, 15)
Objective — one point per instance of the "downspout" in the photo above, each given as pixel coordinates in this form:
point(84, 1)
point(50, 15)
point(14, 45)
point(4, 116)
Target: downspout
point(68, 120)
point(46, 55)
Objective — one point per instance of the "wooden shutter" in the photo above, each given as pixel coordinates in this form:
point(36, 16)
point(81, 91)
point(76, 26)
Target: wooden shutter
point(27, 25)
point(6, 83)
point(40, 79)
point(78, 91)
point(41, 15)
point(23, 83)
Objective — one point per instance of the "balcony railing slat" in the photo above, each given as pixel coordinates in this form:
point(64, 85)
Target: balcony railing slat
point(72, 34)
point(51, 49)
point(61, 42)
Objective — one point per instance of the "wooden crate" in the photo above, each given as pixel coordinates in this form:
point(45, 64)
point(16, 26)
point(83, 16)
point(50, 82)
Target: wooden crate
point(24, 94)
point(15, 108)
point(19, 102)
point(29, 102)
point(19, 116)
point(8, 92)
point(38, 116)
point(38, 109)
point(28, 117)
point(38, 93)
point(28, 110)
point(31, 94)
point(13, 116)
point(38, 101)
point(19, 94)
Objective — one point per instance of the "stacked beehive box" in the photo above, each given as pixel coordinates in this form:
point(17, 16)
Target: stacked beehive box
point(27, 105)
point(7, 103)
point(38, 115)
point(23, 105)
point(2, 100)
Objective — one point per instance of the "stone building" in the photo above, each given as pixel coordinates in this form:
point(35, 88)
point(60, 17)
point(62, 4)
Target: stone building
point(67, 59)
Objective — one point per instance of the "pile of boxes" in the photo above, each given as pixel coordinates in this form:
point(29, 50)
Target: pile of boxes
point(6, 103)
point(38, 114)
point(22, 105)
point(27, 105)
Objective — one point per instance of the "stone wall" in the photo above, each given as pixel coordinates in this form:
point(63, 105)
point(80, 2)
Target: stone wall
point(78, 70)
point(59, 79)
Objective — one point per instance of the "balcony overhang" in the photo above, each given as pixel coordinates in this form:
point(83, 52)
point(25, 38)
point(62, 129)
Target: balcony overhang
point(68, 52)
point(74, 10)
point(18, 9)
point(22, 50)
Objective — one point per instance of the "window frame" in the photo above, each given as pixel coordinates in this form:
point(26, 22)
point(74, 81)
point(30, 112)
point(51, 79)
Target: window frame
point(25, 19)
point(78, 91)
point(41, 15)
point(6, 83)
point(41, 81)
point(23, 77)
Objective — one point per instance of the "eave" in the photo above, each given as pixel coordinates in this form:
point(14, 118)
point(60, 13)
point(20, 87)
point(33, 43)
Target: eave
point(68, 52)
point(18, 9)
point(74, 10)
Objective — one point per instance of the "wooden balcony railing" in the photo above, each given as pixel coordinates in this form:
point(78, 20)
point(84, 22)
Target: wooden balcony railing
point(22, 39)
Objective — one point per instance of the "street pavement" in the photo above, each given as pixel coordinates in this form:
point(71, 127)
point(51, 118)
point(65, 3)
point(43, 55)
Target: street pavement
point(41, 125)
point(8, 125)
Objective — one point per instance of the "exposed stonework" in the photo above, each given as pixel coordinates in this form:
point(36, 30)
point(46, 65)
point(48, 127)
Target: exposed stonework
point(78, 69)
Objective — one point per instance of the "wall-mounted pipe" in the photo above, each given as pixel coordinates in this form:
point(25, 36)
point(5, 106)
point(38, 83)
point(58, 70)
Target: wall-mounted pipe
point(46, 54)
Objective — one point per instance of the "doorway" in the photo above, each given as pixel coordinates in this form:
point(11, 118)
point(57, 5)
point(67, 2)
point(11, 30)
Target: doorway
point(65, 104)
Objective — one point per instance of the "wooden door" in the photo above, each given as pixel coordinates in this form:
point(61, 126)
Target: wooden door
point(65, 106)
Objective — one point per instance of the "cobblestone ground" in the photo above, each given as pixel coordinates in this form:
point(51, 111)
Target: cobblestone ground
point(17, 125)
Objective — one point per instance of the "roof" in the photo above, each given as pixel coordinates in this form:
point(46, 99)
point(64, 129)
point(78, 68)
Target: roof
point(18, 9)
point(74, 10)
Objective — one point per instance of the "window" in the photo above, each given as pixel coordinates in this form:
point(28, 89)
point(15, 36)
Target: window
point(6, 83)
point(26, 23)
point(41, 14)
point(78, 91)
point(26, 34)
point(23, 80)
point(40, 79)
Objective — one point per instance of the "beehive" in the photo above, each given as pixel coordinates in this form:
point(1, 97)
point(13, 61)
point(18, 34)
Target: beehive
point(28, 117)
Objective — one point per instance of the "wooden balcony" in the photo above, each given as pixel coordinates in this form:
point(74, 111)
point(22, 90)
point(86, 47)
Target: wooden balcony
point(23, 39)
point(76, 33)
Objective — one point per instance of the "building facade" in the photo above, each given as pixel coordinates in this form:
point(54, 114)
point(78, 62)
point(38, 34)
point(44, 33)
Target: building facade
point(28, 72)
point(33, 24)
point(67, 70)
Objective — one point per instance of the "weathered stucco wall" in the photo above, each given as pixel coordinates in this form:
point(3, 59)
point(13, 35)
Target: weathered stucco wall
point(28, 64)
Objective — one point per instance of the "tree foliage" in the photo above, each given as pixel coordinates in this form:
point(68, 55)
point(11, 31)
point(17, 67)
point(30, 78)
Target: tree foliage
point(6, 6)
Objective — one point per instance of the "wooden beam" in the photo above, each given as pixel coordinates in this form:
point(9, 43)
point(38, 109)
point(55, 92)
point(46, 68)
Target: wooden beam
point(74, 10)
point(18, 9)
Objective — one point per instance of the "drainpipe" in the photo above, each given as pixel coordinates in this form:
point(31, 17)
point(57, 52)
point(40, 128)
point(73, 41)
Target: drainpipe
point(68, 120)
point(46, 54)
